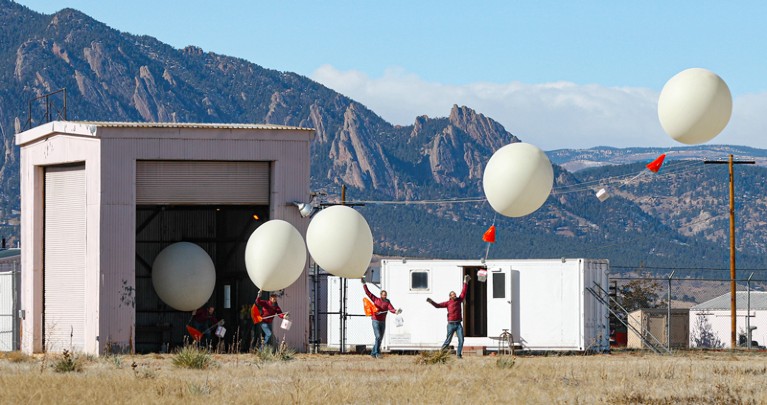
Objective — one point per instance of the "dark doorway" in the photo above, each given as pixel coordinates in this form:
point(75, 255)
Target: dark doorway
point(475, 305)
point(223, 232)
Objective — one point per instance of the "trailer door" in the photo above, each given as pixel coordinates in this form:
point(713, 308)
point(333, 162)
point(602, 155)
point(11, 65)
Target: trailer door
point(499, 301)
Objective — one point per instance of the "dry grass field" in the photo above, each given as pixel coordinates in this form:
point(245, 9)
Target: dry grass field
point(618, 378)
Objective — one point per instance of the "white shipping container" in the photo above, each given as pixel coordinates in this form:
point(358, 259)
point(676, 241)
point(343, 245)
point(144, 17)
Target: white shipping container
point(543, 303)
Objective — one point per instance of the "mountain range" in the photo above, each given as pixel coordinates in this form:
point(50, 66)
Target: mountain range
point(408, 176)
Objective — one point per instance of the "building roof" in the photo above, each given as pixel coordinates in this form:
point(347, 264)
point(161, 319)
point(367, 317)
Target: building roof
point(722, 302)
point(90, 128)
point(4, 253)
point(186, 125)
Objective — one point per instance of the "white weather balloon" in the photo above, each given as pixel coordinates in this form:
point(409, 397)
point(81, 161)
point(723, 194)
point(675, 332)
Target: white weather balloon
point(694, 106)
point(517, 179)
point(275, 255)
point(183, 275)
point(340, 241)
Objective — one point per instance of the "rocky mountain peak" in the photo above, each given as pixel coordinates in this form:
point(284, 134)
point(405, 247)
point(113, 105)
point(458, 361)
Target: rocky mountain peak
point(480, 129)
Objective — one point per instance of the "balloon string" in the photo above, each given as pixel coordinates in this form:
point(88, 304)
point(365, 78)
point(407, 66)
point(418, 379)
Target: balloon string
point(632, 179)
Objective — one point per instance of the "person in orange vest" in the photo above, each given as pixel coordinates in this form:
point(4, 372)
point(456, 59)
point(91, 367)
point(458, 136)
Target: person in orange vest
point(269, 310)
point(251, 327)
point(383, 305)
point(454, 316)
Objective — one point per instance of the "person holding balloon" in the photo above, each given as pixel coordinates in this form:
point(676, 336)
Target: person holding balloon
point(454, 316)
point(383, 305)
point(204, 319)
point(269, 309)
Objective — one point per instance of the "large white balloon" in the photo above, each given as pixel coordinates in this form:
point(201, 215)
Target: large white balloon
point(183, 275)
point(694, 106)
point(275, 255)
point(340, 241)
point(517, 179)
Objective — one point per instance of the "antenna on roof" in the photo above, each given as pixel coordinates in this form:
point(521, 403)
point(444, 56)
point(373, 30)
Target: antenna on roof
point(52, 111)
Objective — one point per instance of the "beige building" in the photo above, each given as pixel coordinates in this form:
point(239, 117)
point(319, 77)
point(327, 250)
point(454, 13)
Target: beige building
point(101, 199)
point(653, 321)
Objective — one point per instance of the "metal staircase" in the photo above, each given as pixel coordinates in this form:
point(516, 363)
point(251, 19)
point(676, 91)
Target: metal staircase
point(622, 315)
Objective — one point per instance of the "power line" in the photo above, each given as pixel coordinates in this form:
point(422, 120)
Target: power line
point(684, 268)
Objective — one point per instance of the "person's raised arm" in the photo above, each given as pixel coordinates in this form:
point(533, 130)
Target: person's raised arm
point(368, 293)
point(437, 304)
point(466, 279)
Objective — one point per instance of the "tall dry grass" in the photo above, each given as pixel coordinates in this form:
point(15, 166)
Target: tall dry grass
point(626, 378)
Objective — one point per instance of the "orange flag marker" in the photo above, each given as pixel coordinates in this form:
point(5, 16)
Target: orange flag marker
point(370, 308)
point(655, 165)
point(255, 314)
point(194, 333)
point(489, 235)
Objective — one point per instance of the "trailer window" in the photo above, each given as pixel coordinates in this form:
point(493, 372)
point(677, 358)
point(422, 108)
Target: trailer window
point(499, 285)
point(419, 280)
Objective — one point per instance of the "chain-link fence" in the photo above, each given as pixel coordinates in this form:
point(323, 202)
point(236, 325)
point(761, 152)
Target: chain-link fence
point(666, 308)
point(337, 317)
point(10, 294)
point(689, 308)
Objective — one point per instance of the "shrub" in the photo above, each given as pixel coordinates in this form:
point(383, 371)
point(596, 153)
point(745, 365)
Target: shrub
point(505, 362)
point(192, 356)
point(438, 357)
point(68, 362)
point(269, 353)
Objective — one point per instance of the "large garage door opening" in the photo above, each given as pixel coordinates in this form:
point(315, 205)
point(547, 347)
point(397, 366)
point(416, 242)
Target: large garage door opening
point(215, 205)
point(223, 233)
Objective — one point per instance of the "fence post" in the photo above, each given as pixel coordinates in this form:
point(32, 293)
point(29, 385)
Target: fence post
point(668, 314)
point(342, 317)
point(314, 317)
point(748, 311)
point(15, 306)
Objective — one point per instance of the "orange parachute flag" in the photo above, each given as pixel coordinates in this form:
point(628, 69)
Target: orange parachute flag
point(255, 314)
point(489, 235)
point(370, 308)
point(194, 333)
point(655, 165)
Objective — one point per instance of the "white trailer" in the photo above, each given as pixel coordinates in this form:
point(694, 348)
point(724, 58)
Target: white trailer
point(543, 303)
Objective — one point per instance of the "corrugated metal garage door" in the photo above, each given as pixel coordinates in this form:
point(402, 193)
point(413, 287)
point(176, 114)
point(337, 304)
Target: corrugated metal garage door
point(202, 183)
point(64, 268)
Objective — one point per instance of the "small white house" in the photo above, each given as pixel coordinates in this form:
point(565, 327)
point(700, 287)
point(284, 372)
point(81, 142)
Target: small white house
point(710, 321)
point(543, 303)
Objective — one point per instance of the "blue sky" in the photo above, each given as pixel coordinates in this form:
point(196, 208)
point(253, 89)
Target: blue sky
point(556, 74)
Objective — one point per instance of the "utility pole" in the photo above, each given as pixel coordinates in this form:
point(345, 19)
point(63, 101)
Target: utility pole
point(733, 306)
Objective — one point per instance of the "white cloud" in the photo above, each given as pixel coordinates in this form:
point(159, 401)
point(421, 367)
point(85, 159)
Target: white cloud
point(550, 115)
